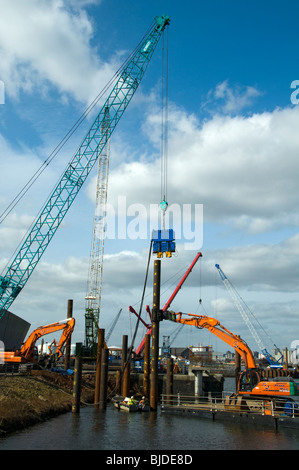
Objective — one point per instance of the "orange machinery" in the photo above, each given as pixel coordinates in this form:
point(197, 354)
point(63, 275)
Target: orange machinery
point(27, 353)
point(250, 382)
point(166, 306)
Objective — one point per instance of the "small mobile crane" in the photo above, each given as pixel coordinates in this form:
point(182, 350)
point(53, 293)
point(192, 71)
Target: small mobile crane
point(250, 384)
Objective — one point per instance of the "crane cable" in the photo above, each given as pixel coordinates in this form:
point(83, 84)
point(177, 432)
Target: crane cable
point(57, 149)
point(164, 130)
point(164, 154)
point(19, 196)
point(141, 306)
point(53, 154)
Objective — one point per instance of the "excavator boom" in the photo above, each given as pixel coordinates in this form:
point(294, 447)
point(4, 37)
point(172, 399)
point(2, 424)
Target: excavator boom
point(26, 353)
point(250, 383)
point(167, 305)
point(213, 325)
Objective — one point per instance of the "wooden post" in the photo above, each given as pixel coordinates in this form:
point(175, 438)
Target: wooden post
point(126, 379)
point(118, 382)
point(104, 379)
point(169, 380)
point(101, 342)
point(77, 385)
point(146, 371)
point(125, 371)
point(285, 361)
point(155, 336)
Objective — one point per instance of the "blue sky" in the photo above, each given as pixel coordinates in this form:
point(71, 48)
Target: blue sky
point(233, 147)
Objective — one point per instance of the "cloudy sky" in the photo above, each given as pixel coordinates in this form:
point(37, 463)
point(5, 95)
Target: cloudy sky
point(232, 150)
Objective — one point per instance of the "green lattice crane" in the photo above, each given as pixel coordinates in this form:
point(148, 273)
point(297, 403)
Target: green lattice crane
point(19, 270)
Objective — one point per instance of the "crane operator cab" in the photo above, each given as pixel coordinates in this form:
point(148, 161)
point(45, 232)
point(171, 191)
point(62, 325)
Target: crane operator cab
point(248, 380)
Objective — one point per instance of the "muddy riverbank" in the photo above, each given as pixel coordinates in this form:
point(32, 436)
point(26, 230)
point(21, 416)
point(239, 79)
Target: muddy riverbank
point(29, 399)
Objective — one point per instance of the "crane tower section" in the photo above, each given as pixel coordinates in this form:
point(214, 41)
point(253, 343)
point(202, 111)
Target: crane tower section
point(93, 297)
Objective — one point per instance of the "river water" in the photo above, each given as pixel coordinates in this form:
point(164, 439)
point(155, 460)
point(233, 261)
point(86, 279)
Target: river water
point(114, 430)
point(92, 429)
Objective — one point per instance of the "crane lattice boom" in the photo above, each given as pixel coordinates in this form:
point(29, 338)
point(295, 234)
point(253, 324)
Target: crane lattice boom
point(20, 269)
point(238, 302)
point(93, 297)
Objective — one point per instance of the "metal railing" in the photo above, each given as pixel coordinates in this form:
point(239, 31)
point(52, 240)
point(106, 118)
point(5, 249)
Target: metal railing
point(15, 369)
point(229, 403)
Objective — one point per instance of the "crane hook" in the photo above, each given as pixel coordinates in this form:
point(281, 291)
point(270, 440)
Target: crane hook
point(164, 205)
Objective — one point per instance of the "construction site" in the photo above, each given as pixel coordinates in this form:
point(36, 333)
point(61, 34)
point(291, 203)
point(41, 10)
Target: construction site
point(153, 374)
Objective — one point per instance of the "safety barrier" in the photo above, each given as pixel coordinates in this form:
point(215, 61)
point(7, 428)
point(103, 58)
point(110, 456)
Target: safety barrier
point(14, 369)
point(230, 403)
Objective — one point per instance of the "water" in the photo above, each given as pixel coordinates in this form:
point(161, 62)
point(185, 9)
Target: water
point(92, 429)
point(110, 430)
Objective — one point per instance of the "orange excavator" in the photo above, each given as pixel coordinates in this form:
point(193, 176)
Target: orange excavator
point(250, 383)
point(28, 352)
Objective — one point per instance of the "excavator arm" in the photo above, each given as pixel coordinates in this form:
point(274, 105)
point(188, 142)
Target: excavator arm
point(27, 351)
point(68, 328)
point(167, 305)
point(250, 383)
point(214, 326)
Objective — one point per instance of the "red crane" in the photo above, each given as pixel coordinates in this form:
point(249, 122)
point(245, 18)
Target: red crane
point(140, 348)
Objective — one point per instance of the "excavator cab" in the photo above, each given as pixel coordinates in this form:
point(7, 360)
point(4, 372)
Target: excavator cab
point(248, 380)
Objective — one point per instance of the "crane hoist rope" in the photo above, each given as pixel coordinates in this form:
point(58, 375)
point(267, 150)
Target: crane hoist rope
point(140, 308)
point(174, 279)
point(164, 238)
point(169, 301)
point(94, 288)
point(164, 129)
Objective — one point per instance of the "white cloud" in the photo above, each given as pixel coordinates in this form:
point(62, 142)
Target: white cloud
point(251, 270)
point(45, 42)
point(230, 100)
point(11, 233)
point(244, 170)
point(259, 267)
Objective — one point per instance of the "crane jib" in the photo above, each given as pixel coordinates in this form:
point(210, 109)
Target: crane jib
point(51, 216)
